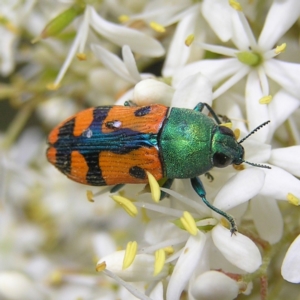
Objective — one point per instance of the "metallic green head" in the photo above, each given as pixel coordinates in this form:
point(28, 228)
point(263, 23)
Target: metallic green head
point(225, 149)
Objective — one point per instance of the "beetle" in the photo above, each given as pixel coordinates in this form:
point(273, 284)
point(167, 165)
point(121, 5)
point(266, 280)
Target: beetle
point(116, 145)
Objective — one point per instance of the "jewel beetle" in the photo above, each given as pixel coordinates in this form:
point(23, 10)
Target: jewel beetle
point(114, 145)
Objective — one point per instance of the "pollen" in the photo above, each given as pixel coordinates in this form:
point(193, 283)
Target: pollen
point(124, 18)
point(237, 133)
point(235, 5)
point(154, 187)
point(126, 204)
point(130, 254)
point(189, 40)
point(101, 266)
point(169, 250)
point(189, 223)
point(52, 86)
point(281, 48)
point(157, 27)
point(293, 199)
point(81, 56)
point(90, 195)
point(160, 258)
point(56, 277)
point(228, 125)
point(265, 99)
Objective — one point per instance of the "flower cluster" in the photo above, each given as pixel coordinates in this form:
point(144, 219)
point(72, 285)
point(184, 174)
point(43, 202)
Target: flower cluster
point(239, 57)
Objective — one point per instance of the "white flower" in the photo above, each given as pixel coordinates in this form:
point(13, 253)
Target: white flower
point(214, 285)
point(141, 269)
point(17, 286)
point(14, 17)
point(254, 59)
point(117, 34)
point(290, 267)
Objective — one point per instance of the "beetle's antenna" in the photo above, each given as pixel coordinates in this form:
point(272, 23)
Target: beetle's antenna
point(257, 165)
point(253, 131)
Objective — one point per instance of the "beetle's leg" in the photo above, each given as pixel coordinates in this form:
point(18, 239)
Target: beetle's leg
point(129, 103)
point(224, 118)
point(209, 176)
point(116, 188)
point(167, 184)
point(199, 189)
point(199, 107)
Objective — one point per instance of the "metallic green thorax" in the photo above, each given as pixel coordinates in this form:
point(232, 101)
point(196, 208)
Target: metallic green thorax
point(191, 143)
point(185, 143)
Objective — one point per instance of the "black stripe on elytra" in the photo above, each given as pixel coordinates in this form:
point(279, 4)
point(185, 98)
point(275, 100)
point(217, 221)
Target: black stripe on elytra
point(120, 141)
point(145, 110)
point(137, 172)
point(94, 174)
point(64, 146)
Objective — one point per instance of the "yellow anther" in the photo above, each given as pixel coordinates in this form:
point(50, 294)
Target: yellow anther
point(188, 41)
point(265, 99)
point(126, 204)
point(81, 56)
point(124, 18)
point(160, 258)
point(56, 277)
point(154, 187)
point(239, 167)
point(235, 5)
point(12, 28)
point(293, 199)
point(189, 223)
point(281, 48)
point(101, 266)
point(90, 195)
point(237, 133)
point(224, 223)
point(52, 86)
point(169, 250)
point(228, 125)
point(130, 254)
point(157, 27)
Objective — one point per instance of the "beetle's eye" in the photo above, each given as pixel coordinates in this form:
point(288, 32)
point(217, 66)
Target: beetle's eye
point(221, 160)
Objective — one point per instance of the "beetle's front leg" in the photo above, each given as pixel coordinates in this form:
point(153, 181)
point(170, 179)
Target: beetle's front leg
point(199, 189)
point(130, 103)
point(199, 107)
point(116, 188)
point(165, 183)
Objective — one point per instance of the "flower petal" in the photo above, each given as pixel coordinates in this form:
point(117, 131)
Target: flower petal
point(141, 269)
point(178, 52)
point(214, 285)
point(152, 91)
point(274, 26)
point(267, 218)
point(158, 292)
point(192, 90)
point(215, 70)
point(290, 267)
point(112, 62)
point(240, 188)
point(130, 63)
point(256, 113)
point(278, 183)
point(237, 249)
point(120, 35)
point(218, 15)
point(281, 107)
point(185, 265)
point(286, 74)
point(287, 159)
